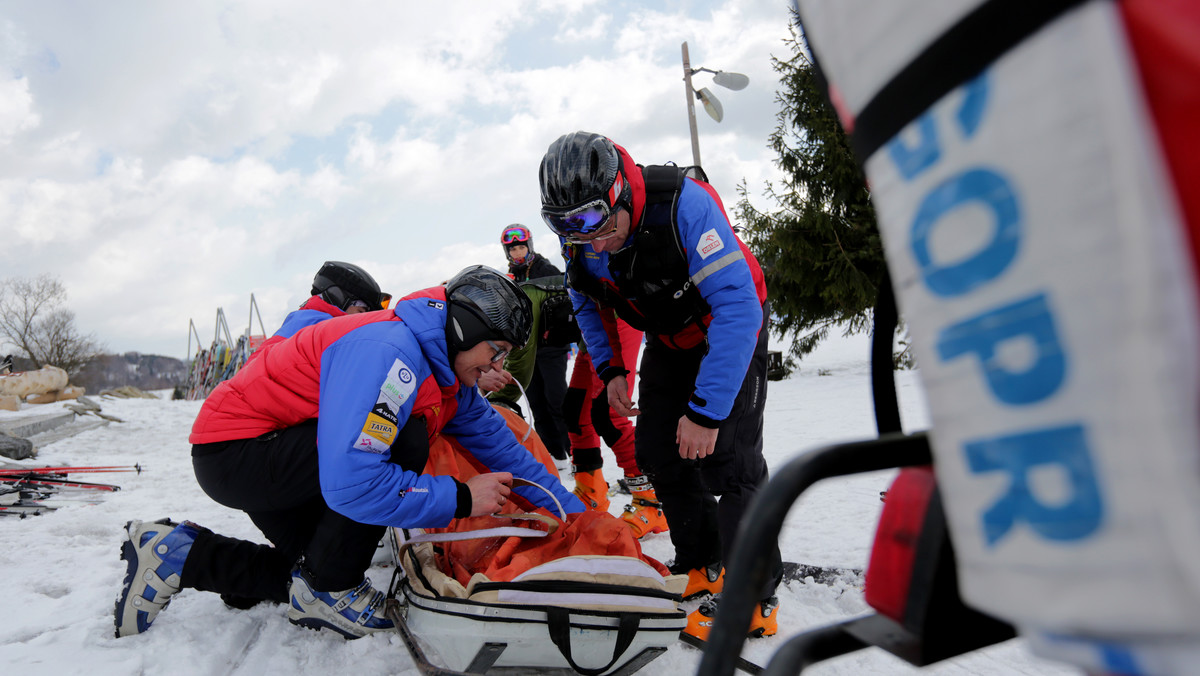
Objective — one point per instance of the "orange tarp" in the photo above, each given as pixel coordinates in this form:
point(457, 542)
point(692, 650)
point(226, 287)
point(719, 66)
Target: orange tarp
point(503, 558)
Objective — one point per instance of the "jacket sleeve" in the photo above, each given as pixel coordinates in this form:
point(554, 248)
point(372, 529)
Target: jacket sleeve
point(299, 319)
point(482, 431)
point(718, 265)
point(367, 391)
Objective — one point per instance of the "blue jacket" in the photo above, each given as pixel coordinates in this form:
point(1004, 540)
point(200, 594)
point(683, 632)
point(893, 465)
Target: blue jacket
point(363, 376)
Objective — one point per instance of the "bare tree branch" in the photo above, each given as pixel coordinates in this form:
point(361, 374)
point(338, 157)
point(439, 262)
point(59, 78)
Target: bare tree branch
point(33, 321)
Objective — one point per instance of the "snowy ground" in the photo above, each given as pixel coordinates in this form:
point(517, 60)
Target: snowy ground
point(60, 572)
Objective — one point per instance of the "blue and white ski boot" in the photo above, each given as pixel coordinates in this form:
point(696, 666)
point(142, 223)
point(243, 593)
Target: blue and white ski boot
point(154, 554)
point(353, 613)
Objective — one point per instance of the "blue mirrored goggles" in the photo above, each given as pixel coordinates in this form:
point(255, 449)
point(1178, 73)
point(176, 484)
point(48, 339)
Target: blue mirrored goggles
point(579, 222)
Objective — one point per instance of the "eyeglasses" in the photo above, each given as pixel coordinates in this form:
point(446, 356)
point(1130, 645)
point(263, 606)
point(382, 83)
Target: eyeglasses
point(500, 353)
point(514, 236)
point(583, 223)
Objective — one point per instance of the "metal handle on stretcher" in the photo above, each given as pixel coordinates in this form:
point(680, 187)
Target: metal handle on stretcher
point(517, 481)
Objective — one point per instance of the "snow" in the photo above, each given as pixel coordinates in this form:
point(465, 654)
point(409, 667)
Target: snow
point(61, 570)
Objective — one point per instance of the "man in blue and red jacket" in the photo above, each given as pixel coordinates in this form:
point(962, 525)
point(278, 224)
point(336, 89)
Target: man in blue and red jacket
point(322, 439)
point(654, 247)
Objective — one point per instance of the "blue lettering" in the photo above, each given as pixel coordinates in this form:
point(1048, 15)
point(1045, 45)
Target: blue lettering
point(970, 114)
point(912, 160)
point(1062, 447)
point(990, 190)
point(1028, 320)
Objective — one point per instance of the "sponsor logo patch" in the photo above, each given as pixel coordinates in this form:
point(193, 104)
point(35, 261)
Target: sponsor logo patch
point(368, 443)
point(436, 304)
point(384, 411)
point(710, 243)
point(380, 428)
point(397, 387)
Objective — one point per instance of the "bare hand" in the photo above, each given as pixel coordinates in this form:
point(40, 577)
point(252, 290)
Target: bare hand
point(694, 441)
point(495, 380)
point(618, 397)
point(489, 492)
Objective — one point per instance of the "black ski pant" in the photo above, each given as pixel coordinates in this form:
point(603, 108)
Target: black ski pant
point(546, 392)
point(274, 480)
point(702, 527)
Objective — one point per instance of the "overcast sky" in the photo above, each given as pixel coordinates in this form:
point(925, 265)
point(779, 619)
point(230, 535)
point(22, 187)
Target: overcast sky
point(165, 159)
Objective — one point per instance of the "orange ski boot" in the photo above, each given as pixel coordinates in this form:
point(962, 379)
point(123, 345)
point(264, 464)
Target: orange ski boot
point(644, 514)
point(592, 490)
point(702, 581)
point(764, 621)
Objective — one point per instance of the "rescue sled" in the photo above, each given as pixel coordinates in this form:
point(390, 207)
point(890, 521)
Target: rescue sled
point(592, 615)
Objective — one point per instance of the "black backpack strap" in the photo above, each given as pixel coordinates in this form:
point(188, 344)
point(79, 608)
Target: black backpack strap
point(663, 182)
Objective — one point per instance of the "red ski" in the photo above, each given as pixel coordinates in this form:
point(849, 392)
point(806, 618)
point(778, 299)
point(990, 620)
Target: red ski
point(6, 471)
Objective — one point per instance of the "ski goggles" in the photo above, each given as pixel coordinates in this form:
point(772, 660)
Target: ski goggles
point(384, 299)
point(514, 236)
point(579, 224)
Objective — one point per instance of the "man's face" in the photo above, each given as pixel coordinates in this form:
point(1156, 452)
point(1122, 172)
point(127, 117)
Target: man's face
point(618, 236)
point(472, 363)
point(517, 253)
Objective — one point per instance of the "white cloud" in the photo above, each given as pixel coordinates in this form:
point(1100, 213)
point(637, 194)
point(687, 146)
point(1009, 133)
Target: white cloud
point(16, 109)
point(165, 160)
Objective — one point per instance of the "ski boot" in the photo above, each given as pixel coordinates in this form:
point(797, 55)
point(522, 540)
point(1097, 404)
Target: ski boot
point(154, 554)
point(763, 623)
point(702, 581)
point(644, 513)
point(592, 490)
point(353, 613)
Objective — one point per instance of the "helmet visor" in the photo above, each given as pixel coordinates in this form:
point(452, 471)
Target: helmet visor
point(580, 222)
point(514, 236)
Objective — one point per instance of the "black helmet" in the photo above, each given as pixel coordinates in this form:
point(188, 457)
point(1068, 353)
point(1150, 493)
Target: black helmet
point(486, 305)
point(340, 284)
point(578, 167)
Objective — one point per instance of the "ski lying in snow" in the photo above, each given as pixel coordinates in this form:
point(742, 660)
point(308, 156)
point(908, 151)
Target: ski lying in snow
point(741, 663)
point(826, 575)
point(7, 470)
point(24, 510)
point(36, 480)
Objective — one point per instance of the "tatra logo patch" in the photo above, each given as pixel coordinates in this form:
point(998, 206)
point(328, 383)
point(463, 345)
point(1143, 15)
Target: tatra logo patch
point(380, 428)
point(710, 243)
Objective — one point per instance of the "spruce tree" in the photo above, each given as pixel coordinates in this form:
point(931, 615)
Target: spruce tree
point(820, 249)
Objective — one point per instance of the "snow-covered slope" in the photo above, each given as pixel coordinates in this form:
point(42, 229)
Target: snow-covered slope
point(60, 572)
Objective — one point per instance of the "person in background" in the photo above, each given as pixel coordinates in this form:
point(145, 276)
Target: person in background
point(590, 419)
point(338, 289)
point(655, 247)
point(546, 384)
point(322, 441)
point(523, 262)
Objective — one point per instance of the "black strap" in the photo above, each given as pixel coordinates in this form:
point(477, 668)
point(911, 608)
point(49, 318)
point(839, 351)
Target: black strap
point(559, 623)
point(961, 53)
point(883, 371)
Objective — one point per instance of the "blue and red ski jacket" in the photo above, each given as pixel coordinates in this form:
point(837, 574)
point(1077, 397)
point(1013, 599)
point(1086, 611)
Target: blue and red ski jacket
point(718, 265)
point(363, 376)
